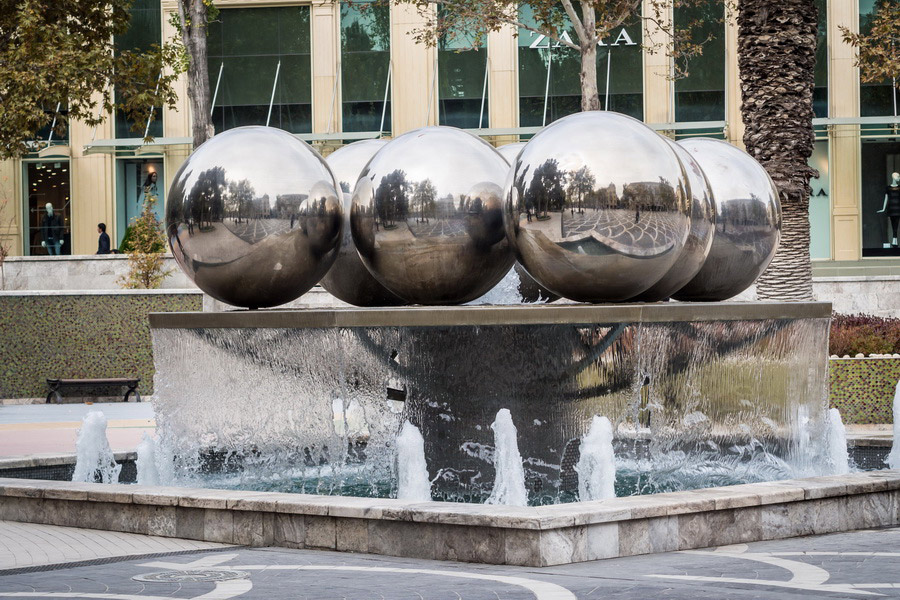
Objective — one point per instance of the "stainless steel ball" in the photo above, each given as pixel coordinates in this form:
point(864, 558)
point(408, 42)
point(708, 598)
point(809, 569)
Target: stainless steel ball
point(511, 151)
point(427, 216)
point(748, 221)
point(597, 207)
point(699, 241)
point(254, 218)
point(348, 279)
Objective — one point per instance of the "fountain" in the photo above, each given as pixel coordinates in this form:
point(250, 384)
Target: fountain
point(412, 474)
point(509, 477)
point(596, 466)
point(893, 459)
point(147, 473)
point(94, 458)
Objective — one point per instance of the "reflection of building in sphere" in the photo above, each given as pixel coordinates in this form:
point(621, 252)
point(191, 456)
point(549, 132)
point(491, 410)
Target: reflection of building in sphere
point(699, 241)
point(597, 210)
point(253, 217)
point(416, 219)
point(748, 221)
point(348, 279)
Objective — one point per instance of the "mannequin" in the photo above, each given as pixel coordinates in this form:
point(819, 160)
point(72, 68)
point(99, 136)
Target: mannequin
point(892, 205)
point(52, 231)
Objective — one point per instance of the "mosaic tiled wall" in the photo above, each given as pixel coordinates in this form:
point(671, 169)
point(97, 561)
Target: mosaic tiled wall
point(863, 388)
point(78, 337)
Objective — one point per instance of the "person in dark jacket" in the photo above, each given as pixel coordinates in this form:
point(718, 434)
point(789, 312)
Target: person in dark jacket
point(103, 244)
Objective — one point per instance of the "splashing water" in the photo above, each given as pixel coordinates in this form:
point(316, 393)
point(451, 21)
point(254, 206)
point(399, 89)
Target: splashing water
point(509, 477)
point(412, 473)
point(147, 473)
point(505, 292)
point(93, 454)
point(893, 459)
point(596, 467)
point(837, 457)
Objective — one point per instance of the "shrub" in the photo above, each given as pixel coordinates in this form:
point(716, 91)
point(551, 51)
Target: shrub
point(146, 245)
point(864, 334)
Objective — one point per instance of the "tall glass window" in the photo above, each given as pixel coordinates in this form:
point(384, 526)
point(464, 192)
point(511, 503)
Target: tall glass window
point(144, 31)
point(880, 186)
point(253, 51)
point(47, 230)
point(462, 83)
point(700, 92)
point(549, 82)
point(820, 204)
point(365, 64)
point(820, 92)
point(879, 98)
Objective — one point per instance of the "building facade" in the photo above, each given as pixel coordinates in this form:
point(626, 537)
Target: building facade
point(332, 73)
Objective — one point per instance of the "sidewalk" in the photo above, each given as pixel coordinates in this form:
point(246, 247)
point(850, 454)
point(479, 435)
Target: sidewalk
point(52, 428)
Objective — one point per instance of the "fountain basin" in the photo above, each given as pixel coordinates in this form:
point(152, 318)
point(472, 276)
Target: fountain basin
point(544, 536)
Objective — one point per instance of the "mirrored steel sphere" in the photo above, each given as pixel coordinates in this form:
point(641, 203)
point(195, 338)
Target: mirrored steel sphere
point(748, 221)
point(699, 241)
point(511, 151)
point(597, 208)
point(427, 216)
point(253, 217)
point(348, 279)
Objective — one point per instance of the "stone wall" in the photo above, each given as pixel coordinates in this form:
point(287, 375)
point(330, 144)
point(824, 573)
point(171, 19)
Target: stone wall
point(863, 388)
point(80, 335)
point(78, 273)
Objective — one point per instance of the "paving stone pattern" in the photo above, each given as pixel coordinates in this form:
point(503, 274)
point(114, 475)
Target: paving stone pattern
point(850, 565)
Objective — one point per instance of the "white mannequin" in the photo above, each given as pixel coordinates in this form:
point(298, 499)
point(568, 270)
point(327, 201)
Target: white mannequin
point(49, 208)
point(895, 182)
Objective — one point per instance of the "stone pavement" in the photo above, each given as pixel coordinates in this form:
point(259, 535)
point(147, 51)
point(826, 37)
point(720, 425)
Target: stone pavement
point(859, 564)
point(31, 429)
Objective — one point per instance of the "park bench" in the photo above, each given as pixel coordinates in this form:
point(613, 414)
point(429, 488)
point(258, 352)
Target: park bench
point(130, 382)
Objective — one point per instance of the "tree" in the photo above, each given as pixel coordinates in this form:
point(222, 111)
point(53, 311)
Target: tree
point(590, 20)
point(191, 22)
point(777, 59)
point(878, 49)
point(148, 245)
point(62, 53)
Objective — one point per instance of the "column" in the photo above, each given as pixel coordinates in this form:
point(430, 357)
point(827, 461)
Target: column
point(412, 80)
point(177, 122)
point(659, 89)
point(11, 223)
point(843, 101)
point(503, 80)
point(734, 122)
point(326, 47)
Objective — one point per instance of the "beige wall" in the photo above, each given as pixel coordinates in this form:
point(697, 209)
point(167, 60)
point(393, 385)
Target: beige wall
point(414, 104)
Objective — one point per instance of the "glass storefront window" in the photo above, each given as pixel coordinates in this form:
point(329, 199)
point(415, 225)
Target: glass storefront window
point(135, 179)
point(145, 30)
point(47, 190)
point(365, 62)
point(700, 93)
point(880, 98)
point(820, 92)
point(820, 204)
point(255, 49)
point(462, 71)
point(880, 160)
point(548, 70)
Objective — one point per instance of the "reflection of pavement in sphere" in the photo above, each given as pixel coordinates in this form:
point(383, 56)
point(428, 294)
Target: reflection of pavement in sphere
point(256, 231)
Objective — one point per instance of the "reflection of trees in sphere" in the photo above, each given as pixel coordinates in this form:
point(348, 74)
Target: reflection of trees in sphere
point(348, 279)
point(596, 207)
point(253, 217)
point(696, 248)
point(426, 216)
point(748, 221)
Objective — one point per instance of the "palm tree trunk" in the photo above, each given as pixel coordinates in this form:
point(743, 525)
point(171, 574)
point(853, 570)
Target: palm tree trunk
point(777, 59)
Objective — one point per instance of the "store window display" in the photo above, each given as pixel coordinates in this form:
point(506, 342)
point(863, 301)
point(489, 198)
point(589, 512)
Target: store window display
point(880, 197)
point(47, 232)
point(135, 180)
